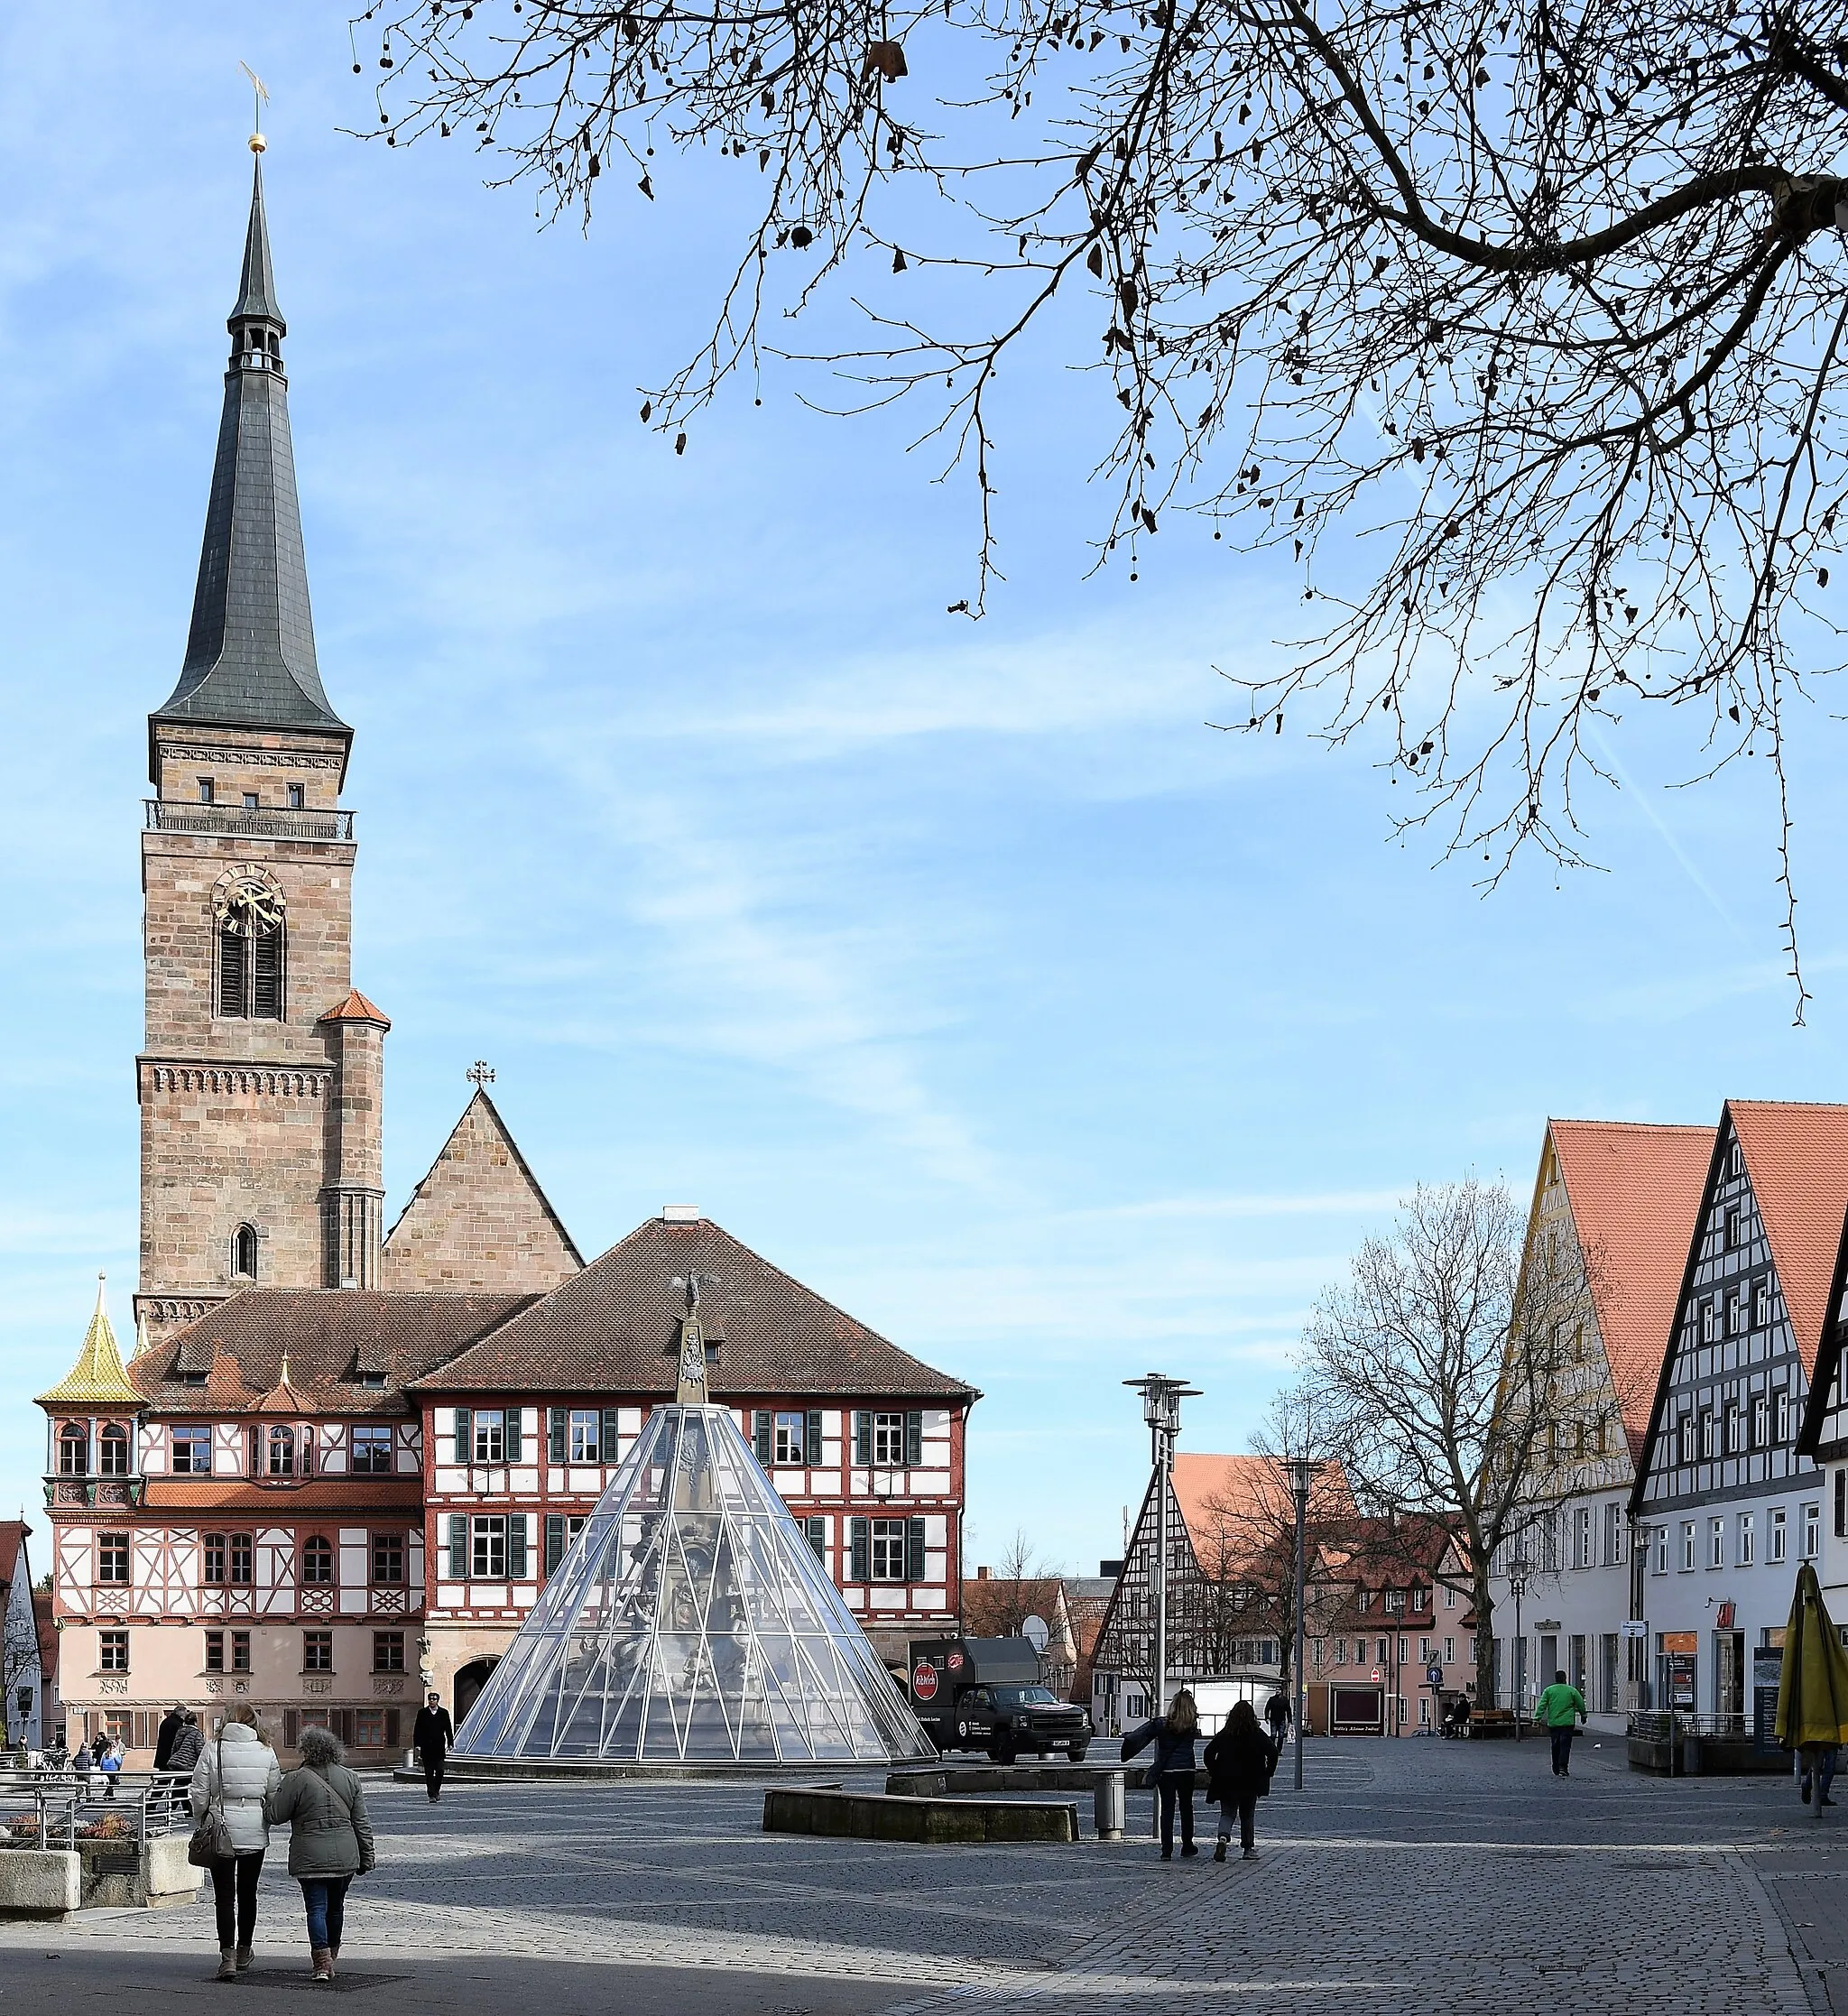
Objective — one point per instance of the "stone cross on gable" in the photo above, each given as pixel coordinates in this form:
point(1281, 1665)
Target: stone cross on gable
point(479, 1073)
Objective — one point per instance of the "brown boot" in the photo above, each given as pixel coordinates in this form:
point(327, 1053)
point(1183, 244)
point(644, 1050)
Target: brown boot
point(333, 1959)
point(227, 1964)
point(323, 1964)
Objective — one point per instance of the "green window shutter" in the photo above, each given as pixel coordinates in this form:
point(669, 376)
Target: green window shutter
point(860, 1550)
point(862, 1439)
point(763, 1448)
point(458, 1546)
point(612, 1435)
point(516, 1548)
point(554, 1541)
point(512, 1419)
point(914, 1437)
point(557, 1430)
point(812, 1439)
point(817, 1531)
point(464, 1436)
point(914, 1551)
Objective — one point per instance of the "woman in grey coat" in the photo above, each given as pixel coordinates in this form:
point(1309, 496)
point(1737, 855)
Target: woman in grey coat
point(323, 1805)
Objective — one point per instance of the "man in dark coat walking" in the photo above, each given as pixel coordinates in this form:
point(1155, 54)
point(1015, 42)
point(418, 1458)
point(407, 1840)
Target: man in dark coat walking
point(431, 1739)
point(171, 1724)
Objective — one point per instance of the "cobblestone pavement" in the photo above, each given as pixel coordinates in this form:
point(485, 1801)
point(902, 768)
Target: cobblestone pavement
point(1407, 1877)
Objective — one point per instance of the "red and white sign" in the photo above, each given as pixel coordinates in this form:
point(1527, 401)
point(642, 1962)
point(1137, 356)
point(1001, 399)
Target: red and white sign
point(924, 1681)
point(955, 1662)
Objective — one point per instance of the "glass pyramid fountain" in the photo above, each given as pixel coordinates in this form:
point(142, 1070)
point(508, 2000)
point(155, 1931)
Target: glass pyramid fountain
point(690, 1622)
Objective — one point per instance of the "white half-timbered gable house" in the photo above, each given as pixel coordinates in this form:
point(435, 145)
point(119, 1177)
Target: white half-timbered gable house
point(1727, 1503)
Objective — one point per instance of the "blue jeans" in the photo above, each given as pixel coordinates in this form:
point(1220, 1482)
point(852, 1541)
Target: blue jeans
point(325, 1898)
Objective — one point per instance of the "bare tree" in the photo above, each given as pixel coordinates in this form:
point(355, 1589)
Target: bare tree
point(1022, 1586)
point(18, 1657)
point(1548, 300)
point(1444, 1369)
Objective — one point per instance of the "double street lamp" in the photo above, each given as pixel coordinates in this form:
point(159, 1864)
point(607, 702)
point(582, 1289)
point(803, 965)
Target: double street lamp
point(1161, 1398)
point(1518, 1565)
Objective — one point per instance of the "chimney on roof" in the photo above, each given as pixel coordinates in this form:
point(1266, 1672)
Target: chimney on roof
point(680, 1214)
point(981, 1575)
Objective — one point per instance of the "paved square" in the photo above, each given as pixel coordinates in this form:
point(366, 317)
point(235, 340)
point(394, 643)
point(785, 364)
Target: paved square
point(1408, 1878)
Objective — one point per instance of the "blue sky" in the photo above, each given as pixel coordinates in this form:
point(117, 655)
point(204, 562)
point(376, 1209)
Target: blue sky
point(962, 970)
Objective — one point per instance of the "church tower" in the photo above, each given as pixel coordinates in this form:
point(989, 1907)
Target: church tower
point(262, 1077)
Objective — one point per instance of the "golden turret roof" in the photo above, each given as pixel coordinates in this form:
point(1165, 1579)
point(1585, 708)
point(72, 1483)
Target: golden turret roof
point(96, 1379)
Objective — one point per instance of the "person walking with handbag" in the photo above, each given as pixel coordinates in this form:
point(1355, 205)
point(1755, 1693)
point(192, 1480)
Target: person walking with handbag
point(231, 1786)
point(1173, 1736)
point(1239, 1762)
point(331, 1839)
point(431, 1738)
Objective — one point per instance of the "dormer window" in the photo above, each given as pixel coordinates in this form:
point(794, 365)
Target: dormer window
point(282, 1452)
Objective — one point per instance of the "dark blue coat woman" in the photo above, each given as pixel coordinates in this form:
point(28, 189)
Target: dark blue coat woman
point(1173, 1736)
point(1240, 1761)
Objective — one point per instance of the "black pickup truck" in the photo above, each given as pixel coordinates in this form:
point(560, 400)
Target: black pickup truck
point(986, 1694)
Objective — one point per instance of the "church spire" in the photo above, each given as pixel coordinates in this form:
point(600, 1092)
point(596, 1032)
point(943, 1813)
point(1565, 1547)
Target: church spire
point(250, 657)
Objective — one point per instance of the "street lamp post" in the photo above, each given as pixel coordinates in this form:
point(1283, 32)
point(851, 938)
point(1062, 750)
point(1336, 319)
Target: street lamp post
point(1517, 1586)
point(1161, 1398)
point(1302, 1473)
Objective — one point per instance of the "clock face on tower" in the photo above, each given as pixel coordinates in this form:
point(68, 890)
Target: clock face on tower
point(249, 905)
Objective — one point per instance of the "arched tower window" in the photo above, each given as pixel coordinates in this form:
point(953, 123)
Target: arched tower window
point(244, 1253)
point(250, 946)
point(112, 1451)
point(317, 1561)
point(73, 1449)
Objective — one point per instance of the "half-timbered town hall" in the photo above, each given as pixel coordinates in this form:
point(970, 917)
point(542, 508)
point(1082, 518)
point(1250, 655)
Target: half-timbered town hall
point(342, 1460)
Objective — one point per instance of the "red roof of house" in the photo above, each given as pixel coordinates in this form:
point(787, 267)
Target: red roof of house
point(1247, 1498)
point(1797, 1157)
point(1634, 1192)
point(356, 1008)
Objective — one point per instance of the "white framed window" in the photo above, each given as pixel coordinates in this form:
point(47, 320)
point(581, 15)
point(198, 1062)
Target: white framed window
point(889, 1534)
point(587, 1435)
point(1748, 1541)
point(1717, 1543)
point(490, 1434)
point(1662, 1560)
point(488, 1544)
point(1735, 1228)
point(1613, 1534)
point(787, 1439)
point(1812, 1531)
point(1778, 1521)
point(1735, 1428)
point(1450, 1597)
point(1582, 1538)
point(1760, 1420)
point(1780, 1403)
point(1684, 1440)
point(1449, 1649)
point(1707, 1434)
point(888, 1448)
point(1709, 1319)
point(1761, 1306)
point(1687, 1545)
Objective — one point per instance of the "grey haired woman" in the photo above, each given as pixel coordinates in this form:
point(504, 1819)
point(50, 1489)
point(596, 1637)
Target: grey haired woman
point(330, 1843)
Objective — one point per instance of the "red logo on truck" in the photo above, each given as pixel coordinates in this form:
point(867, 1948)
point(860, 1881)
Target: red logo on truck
point(924, 1681)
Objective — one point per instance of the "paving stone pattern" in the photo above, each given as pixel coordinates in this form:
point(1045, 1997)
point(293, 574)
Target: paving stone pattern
point(1408, 1879)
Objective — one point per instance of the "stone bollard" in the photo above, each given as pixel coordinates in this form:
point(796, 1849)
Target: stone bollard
point(1109, 1805)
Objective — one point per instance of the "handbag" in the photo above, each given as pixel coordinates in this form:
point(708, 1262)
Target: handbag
point(211, 1835)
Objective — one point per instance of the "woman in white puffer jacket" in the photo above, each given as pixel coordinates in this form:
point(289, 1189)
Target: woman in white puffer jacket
point(238, 1772)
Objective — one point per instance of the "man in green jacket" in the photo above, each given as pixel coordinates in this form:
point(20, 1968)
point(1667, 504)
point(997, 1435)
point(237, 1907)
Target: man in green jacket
point(1559, 1710)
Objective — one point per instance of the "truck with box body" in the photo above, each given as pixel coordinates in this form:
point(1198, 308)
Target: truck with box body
point(987, 1693)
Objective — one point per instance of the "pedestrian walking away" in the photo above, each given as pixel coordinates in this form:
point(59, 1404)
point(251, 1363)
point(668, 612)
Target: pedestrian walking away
point(171, 1724)
point(189, 1746)
point(1559, 1710)
point(1173, 1736)
point(331, 1839)
point(431, 1739)
point(1240, 1761)
point(1277, 1717)
point(1815, 1769)
point(238, 1770)
point(111, 1763)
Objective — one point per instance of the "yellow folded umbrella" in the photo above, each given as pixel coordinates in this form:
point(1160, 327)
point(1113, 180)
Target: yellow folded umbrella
point(1813, 1692)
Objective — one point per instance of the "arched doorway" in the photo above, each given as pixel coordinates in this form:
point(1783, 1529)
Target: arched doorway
point(469, 1681)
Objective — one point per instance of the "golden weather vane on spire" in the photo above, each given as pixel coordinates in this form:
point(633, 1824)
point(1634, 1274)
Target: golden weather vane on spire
point(260, 97)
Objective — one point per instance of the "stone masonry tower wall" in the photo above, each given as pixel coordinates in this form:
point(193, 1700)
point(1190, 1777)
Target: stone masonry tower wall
point(261, 1077)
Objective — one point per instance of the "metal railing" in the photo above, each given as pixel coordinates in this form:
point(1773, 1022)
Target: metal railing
point(263, 822)
point(1667, 1724)
point(51, 1810)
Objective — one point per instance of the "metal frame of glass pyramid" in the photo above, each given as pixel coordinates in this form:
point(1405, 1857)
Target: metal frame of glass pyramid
point(690, 1622)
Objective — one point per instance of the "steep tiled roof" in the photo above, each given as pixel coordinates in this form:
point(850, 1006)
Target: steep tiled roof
point(356, 1008)
point(329, 1336)
point(1248, 1497)
point(13, 1534)
point(613, 1328)
point(1634, 1192)
point(1797, 1157)
point(96, 1379)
